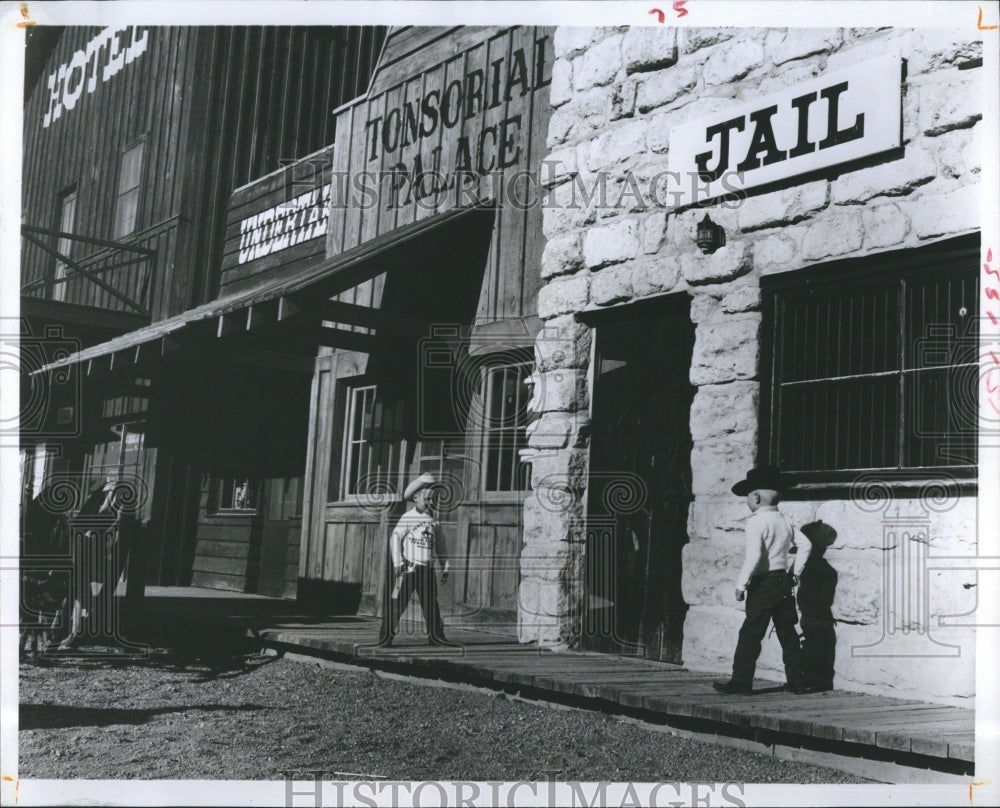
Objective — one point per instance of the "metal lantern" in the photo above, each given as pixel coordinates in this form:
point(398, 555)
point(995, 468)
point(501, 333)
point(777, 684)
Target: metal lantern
point(710, 236)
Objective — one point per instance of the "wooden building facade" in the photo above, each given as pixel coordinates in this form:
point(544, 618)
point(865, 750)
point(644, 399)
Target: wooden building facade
point(135, 139)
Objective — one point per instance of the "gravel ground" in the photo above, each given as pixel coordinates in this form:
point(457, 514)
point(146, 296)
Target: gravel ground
point(248, 716)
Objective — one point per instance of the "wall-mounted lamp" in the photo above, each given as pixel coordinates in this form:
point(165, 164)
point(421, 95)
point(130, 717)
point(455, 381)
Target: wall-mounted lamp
point(710, 235)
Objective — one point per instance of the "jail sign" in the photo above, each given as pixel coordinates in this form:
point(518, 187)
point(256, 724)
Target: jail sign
point(837, 118)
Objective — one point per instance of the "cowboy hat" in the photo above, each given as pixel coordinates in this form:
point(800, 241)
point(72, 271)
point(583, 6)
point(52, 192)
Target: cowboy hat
point(766, 477)
point(421, 482)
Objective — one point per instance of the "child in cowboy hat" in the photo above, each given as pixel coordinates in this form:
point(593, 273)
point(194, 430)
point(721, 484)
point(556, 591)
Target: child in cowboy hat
point(766, 582)
point(414, 548)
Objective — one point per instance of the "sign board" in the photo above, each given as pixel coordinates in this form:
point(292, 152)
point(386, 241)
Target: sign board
point(838, 117)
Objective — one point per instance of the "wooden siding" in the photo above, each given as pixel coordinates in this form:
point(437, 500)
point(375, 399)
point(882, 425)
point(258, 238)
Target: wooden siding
point(268, 99)
point(225, 548)
point(304, 181)
point(512, 273)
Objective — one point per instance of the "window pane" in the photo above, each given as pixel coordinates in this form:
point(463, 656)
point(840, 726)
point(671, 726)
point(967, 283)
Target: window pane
point(127, 203)
point(131, 169)
point(850, 424)
point(505, 396)
point(941, 416)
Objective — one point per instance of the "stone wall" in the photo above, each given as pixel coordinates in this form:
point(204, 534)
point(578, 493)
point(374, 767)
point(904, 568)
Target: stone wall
point(617, 93)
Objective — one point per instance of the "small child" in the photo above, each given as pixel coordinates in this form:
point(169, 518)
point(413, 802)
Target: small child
point(766, 583)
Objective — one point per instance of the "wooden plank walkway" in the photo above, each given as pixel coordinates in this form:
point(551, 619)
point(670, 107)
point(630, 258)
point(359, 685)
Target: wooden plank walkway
point(905, 732)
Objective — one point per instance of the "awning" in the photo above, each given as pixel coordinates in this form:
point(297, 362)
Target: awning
point(300, 302)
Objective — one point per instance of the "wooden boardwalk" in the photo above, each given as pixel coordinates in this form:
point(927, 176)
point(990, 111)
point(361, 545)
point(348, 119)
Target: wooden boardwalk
point(902, 732)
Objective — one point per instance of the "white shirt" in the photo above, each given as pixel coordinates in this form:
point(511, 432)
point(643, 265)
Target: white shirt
point(769, 540)
point(414, 538)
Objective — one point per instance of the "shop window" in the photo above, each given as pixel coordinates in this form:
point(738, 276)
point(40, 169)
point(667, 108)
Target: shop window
point(873, 367)
point(67, 219)
point(129, 183)
point(505, 406)
point(234, 495)
point(371, 453)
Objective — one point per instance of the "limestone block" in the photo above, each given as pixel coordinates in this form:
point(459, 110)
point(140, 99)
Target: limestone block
point(566, 468)
point(798, 43)
point(733, 62)
point(654, 227)
point(710, 637)
point(885, 226)
point(896, 178)
point(726, 351)
point(721, 519)
point(563, 342)
point(551, 431)
point(558, 167)
point(959, 152)
point(950, 105)
point(728, 262)
point(858, 523)
point(598, 64)
point(648, 48)
point(654, 275)
point(563, 390)
point(623, 99)
point(611, 244)
point(779, 252)
point(940, 679)
point(693, 39)
point(716, 465)
point(710, 572)
point(551, 513)
point(944, 213)
point(561, 88)
point(665, 86)
point(587, 112)
point(791, 75)
point(720, 410)
point(572, 39)
point(564, 295)
point(564, 208)
point(563, 254)
point(612, 285)
point(744, 298)
point(560, 125)
point(783, 207)
point(939, 48)
point(833, 234)
point(621, 143)
point(704, 307)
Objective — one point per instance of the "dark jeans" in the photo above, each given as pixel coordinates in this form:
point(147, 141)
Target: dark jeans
point(769, 597)
point(421, 578)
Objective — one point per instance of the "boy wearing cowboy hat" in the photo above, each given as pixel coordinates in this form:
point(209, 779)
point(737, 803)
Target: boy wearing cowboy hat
point(414, 550)
point(766, 582)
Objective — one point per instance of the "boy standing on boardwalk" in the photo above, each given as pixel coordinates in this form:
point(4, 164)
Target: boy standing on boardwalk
point(414, 547)
point(766, 582)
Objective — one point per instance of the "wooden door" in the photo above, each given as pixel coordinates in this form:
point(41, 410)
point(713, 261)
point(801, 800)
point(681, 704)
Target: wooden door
point(640, 483)
point(281, 526)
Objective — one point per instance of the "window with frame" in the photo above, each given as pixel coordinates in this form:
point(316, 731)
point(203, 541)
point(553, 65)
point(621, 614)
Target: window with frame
point(234, 495)
point(505, 419)
point(67, 219)
point(372, 449)
point(129, 184)
point(873, 367)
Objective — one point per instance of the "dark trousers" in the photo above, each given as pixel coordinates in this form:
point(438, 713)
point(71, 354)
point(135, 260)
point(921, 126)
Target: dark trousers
point(769, 597)
point(421, 577)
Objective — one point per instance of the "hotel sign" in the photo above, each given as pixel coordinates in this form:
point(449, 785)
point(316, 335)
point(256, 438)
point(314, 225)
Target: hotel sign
point(834, 119)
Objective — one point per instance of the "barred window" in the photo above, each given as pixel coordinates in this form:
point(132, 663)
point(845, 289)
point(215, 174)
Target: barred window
point(505, 406)
point(872, 366)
